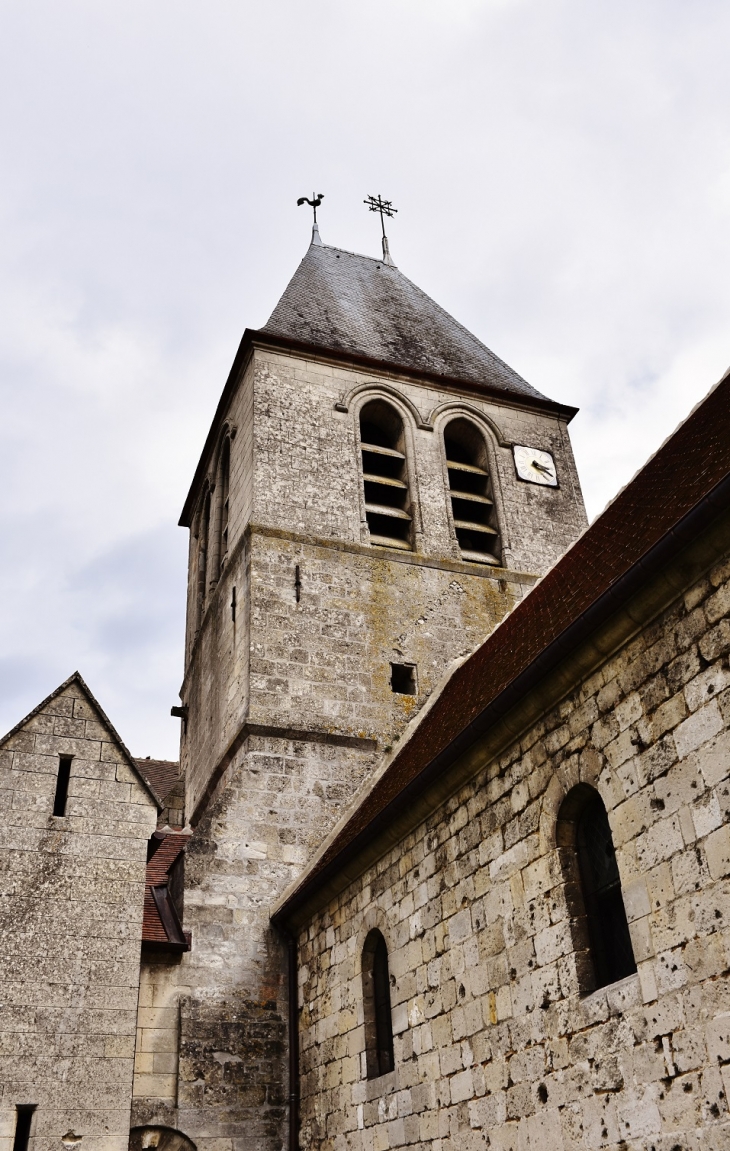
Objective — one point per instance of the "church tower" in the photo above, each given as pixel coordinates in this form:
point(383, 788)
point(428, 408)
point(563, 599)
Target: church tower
point(377, 490)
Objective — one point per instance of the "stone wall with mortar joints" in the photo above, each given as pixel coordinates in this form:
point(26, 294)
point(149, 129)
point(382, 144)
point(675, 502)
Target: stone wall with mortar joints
point(306, 461)
point(494, 1044)
point(273, 805)
point(71, 897)
point(325, 662)
point(239, 416)
point(216, 685)
point(157, 1039)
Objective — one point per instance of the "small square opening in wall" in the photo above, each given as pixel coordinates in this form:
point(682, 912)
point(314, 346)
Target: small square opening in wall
point(403, 678)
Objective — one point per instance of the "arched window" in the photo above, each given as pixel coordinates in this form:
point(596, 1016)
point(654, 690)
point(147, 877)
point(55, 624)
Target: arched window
point(471, 493)
point(219, 541)
point(593, 885)
point(385, 475)
point(225, 480)
point(203, 539)
point(376, 1002)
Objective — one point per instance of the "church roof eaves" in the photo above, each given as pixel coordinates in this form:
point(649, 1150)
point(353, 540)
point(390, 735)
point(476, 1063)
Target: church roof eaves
point(366, 312)
point(342, 301)
point(678, 494)
point(76, 677)
point(253, 337)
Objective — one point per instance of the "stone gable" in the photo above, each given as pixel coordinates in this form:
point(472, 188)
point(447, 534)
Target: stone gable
point(71, 899)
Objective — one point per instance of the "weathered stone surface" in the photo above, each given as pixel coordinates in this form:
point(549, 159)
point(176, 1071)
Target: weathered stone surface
point(71, 891)
point(290, 703)
point(495, 1044)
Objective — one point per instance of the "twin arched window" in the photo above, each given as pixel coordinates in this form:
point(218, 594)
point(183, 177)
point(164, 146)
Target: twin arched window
point(376, 1006)
point(593, 889)
point(386, 484)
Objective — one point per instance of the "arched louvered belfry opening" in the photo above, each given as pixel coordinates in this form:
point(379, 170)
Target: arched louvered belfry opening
point(593, 887)
point(385, 475)
point(470, 488)
point(376, 1004)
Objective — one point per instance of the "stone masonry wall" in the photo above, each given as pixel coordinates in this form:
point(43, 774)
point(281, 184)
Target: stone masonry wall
point(317, 667)
point(223, 1004)
point(324, 662)
point(494, 1044)
point(71, 897)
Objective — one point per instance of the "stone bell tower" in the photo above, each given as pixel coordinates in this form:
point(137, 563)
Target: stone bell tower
point(376, 491)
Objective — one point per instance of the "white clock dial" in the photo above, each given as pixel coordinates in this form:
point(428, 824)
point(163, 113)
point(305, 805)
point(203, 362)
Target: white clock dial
point(535, 466)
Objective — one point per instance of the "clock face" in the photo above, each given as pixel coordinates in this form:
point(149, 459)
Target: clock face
point(535, 467)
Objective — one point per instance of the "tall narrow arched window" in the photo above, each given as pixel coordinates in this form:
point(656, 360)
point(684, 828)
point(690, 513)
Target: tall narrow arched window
point(225, 481)
point(385, 475)
point(219, 525)
point(472, 502)
point(593, 885)
point(376, 1003)
point(203, 547)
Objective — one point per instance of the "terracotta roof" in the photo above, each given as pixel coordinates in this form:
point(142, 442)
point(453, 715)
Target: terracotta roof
point(161, 775)
point(339, 301)
point(681, 489)
point(161, 929)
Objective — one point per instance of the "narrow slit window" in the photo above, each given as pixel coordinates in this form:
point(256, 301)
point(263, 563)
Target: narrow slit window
point(377, 1010)
point(23, 1119)
point(385, 476)
point(596, 905)
point(472, 504)
point(62, 781)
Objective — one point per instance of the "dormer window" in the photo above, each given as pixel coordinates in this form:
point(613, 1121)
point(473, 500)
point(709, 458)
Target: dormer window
point(385, 476)
point(475, 521)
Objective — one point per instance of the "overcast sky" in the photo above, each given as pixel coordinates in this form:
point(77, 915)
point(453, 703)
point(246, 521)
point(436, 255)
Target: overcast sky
point(562, 174)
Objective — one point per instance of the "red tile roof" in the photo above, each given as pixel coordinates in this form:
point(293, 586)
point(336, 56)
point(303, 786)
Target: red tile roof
point(155, 934)
point(675, 495)
point(160, 774)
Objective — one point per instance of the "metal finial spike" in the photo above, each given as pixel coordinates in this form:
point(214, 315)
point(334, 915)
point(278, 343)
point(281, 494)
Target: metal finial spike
point(385, 207)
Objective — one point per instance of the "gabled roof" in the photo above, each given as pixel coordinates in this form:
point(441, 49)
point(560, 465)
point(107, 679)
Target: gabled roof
point(340, 302)
point(161, 928)
point(161, 775)
point(676, 496)
point(76, 678)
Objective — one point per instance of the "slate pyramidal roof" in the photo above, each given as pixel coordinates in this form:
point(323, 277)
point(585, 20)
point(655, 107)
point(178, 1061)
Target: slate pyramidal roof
point(347, 303)
point(364, 310)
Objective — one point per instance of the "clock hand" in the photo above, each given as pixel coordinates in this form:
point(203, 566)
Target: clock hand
point(541, 468)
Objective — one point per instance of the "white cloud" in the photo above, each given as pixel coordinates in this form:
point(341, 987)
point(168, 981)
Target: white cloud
point(562, 172)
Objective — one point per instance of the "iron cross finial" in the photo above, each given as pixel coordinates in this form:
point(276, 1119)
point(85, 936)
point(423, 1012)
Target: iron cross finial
point(385, 207)
point(378, 204)
point(313, 203)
